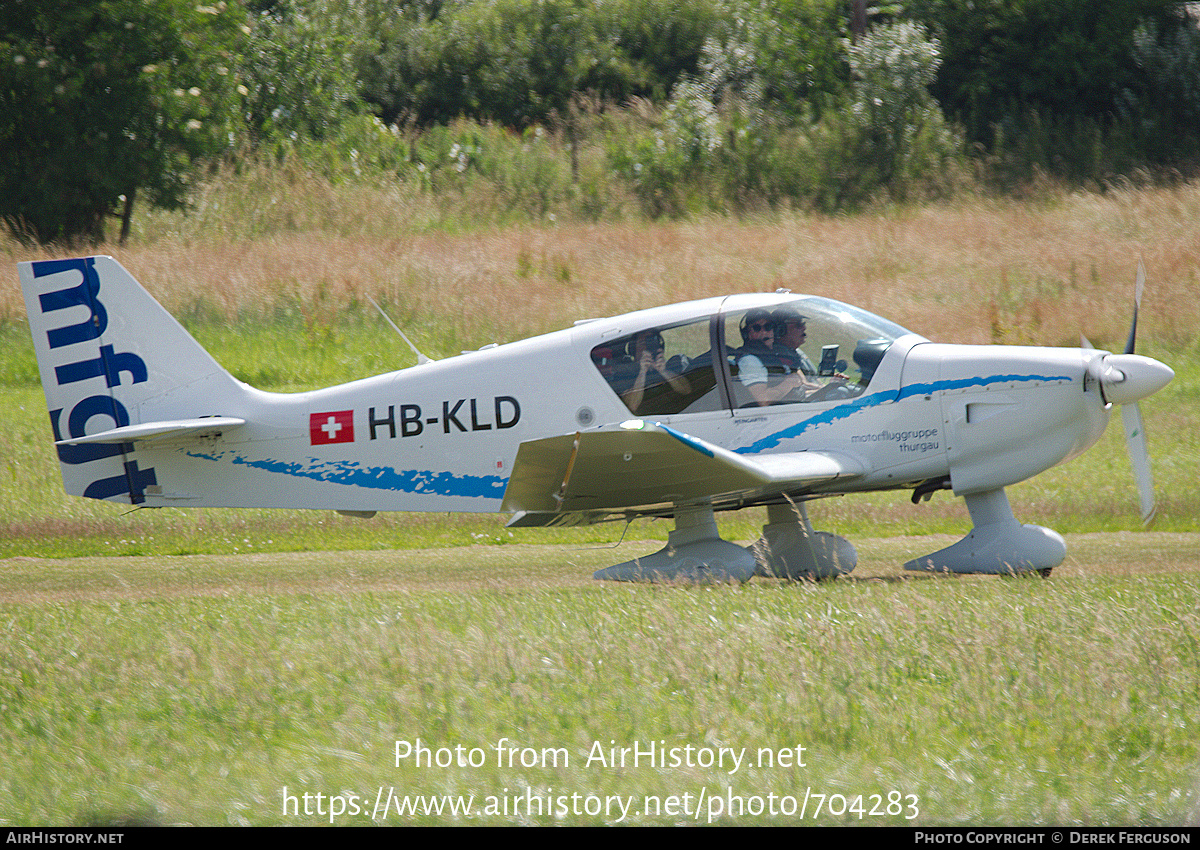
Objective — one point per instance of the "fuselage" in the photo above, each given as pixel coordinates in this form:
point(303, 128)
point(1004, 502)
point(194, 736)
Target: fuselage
point(444, 435)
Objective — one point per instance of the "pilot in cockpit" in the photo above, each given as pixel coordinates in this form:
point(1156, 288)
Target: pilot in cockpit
point(791, 332)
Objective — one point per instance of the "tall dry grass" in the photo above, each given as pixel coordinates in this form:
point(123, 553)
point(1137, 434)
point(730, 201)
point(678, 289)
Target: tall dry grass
point(973, 271)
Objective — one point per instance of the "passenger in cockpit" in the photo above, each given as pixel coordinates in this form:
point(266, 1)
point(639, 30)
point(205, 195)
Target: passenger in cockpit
point(769, 377)
point(647, 382)
point(604, 361)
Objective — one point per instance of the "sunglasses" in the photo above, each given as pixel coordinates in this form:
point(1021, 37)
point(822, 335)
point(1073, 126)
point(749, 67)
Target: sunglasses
point(763, 326)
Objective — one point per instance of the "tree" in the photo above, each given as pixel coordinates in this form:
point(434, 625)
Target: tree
point(298, 67)
point(1005, 59)
point(105, 100)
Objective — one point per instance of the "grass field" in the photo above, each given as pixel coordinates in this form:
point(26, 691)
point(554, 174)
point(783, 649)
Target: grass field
point(196, 689)
point(188, 667)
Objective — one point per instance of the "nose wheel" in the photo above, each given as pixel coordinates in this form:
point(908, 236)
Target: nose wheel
point(998, 544)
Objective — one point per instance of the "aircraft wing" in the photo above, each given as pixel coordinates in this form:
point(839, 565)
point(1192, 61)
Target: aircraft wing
point(643, 467)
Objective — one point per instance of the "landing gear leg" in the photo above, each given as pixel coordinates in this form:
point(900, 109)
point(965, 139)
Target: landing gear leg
point(998, 544)
point(694, 553)
point(790, 548)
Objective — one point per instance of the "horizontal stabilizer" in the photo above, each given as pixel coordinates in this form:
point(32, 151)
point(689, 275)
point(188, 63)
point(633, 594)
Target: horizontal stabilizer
point(206, 426)
point(643, 466)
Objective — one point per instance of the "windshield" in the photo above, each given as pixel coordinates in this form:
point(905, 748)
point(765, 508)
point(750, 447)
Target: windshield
point(808, 350)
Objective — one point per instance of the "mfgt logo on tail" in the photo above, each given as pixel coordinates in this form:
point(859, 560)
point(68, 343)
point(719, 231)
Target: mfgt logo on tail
point(81, 374)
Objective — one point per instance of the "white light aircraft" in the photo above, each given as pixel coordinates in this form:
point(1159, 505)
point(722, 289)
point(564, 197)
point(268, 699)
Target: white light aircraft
point(675, 411)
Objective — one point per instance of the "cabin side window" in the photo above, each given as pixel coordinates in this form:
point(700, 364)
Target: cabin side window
point(661, 371)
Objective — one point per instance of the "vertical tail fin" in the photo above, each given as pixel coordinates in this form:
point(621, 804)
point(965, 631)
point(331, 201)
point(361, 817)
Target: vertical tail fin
point(111, 357)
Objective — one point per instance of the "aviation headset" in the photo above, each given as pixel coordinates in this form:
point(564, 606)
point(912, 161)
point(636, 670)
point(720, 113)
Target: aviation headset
point(785, 315)
point(752, 317)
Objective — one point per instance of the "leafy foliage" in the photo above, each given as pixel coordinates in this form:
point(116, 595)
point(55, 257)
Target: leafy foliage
point(1070, 73)
point(516, 62)
point(1167, 53)
point(799, 53)
point(298, 69)
point(1006, 56)
point(99, 101)
point(681, 106)
point(897, 128)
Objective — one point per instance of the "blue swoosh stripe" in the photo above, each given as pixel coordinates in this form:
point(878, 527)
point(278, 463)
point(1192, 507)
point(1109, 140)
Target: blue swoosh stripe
point(857, 405)
point(963, 383)
point(690, 442)
point(354, 474)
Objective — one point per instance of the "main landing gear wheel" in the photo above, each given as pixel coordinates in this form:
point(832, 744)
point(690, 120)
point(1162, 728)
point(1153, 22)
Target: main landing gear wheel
point(790, 548)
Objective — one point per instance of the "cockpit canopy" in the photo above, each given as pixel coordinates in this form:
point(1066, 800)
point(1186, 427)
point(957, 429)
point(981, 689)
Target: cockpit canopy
point(772, 350)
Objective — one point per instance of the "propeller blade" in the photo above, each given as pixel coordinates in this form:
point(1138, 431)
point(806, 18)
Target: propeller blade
point(1137, 303)
point(1139, 456)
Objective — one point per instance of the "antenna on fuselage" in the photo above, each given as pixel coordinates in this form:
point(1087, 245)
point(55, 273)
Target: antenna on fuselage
point(421, 358)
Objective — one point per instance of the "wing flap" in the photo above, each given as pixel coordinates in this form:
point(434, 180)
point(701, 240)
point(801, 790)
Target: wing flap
point(641, 465)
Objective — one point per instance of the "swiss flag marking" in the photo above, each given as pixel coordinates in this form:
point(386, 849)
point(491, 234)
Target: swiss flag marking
point(335, 426)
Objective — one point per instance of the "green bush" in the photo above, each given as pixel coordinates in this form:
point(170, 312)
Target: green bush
point(517, 62)
point(895, 135)
point(718, 146)
point(297, 71)
point(104, 102)
point(799, 54)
